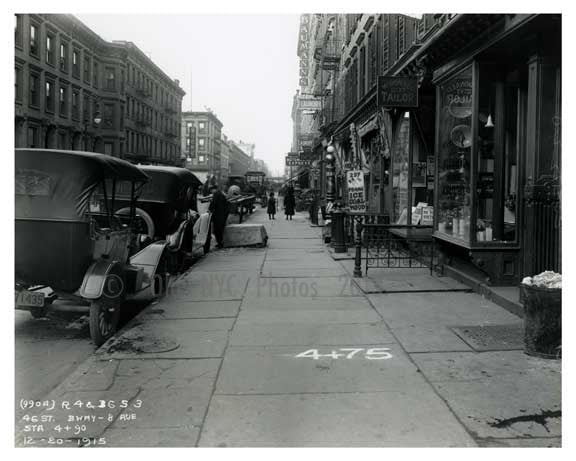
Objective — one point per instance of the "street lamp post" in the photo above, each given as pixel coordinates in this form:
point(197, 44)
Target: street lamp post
point(330, 194)
point(97, 120)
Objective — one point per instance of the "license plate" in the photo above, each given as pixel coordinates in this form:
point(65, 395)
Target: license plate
point(30, 298)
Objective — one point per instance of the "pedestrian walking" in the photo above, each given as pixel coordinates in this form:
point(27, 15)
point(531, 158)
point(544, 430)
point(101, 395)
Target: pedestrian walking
point(271, 206)
point(219, 210)
point(289, 203)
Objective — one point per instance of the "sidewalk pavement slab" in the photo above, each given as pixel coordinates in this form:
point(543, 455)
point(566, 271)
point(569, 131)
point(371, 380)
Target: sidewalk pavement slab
point(327, 310)
point(209, 286)
point(278, 370)
point(297, 243)
point(191, 310)
point(442, 309)
point(501, 394)
point(402, 280)
point(294, 254)
point(317, 334)
point(170, 396)
point(429, 338)
point(341, 286)
point(290, 272)
point(317, 262)
point(332, 420)
point(170, 339)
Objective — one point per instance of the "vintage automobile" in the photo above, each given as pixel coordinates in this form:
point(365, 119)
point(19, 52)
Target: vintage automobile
point(67, 237)
point(167, 211)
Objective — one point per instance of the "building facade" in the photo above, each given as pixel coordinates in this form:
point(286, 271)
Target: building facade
point(201, 144)
point(224, 159)
point(74, 90)
point(479, 146)
point(240, 161)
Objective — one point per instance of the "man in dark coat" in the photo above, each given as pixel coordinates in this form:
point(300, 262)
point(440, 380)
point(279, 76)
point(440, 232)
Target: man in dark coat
point(289, 203)
point(219, 210)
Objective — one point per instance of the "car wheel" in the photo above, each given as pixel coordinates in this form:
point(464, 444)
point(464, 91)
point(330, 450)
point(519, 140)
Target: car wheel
point(105, 311)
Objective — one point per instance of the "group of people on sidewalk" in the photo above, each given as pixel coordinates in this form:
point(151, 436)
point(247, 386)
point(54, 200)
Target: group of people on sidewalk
point(289, 204)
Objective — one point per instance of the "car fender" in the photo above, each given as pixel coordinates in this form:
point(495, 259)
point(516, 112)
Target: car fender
point(148, 259)
point(93, 284)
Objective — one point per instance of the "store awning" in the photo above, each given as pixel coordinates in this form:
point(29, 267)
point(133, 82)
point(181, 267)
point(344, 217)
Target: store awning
point(366, 127)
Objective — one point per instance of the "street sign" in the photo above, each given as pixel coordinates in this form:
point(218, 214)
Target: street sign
point(398, 92)
point(356, 199)
point(290, 161)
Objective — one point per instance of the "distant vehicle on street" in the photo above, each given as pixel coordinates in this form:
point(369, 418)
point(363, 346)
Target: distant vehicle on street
point(68, 238)
point(256, 183)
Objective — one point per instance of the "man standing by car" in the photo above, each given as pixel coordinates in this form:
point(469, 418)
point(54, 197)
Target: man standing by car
point(219, 210)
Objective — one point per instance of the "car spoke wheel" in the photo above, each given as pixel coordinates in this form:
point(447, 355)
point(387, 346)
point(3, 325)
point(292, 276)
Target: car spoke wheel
point(105, 311)
point(104, 317)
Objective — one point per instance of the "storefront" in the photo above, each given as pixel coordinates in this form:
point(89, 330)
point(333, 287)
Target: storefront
point(498, 152)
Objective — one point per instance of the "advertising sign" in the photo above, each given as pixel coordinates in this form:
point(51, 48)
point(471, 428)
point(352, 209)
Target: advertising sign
point(398, 92)
point(291, 161)
point(356, 199)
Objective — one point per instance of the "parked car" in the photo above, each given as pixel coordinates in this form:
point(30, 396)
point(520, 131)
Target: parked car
point(67, 237)
point(166, 210)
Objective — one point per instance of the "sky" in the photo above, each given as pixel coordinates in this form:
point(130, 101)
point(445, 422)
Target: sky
point(243, 67)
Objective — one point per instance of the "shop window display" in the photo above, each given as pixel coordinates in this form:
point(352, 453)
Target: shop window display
point(400, 164)
point(454, 154)
point(496, 182)
point(478, 177)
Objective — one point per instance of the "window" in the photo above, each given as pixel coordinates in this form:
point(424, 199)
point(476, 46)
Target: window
point(385, 45)
point(64, 57)
point(87, 69)
point(201, 159)
point(108, 119)
point(50, 49)
point(109, 148)
point(62, 140)
point(32, 136)
point(201, 126)
point(95, 75)
point(75, 104)
point(455, 140)
point(49, 96)
point(76, 63)
point(18, 84)
point(110, 76)
point(201, 143)
point(401, 36)
point(86, 107)
point(34, 90)
point(18, 39)
point(34, 39)
point(362, 72)
point(63, 100)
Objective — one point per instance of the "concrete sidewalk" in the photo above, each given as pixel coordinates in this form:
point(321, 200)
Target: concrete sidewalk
point(280, 346)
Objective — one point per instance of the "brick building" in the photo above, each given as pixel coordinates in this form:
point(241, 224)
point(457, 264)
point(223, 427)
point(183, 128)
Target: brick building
point(74, 90)
point(201, 143)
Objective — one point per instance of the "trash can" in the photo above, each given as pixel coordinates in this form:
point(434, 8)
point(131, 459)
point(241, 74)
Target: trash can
point(542, 321)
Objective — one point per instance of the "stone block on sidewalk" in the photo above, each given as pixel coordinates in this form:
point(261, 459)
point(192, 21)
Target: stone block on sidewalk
point(239, 235)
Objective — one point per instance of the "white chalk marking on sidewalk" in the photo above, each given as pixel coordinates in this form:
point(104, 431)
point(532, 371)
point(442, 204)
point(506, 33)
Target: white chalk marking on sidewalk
point(375, 353)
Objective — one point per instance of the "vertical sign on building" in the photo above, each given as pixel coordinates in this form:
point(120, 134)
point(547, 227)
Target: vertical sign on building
point(356, 199)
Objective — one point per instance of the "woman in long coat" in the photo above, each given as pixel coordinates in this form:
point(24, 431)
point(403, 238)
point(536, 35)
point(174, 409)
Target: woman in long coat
point(289, 203)
point(271, 206)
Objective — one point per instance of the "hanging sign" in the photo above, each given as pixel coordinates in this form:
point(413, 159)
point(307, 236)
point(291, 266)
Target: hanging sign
point(398, 92)
point(356, 199)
